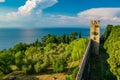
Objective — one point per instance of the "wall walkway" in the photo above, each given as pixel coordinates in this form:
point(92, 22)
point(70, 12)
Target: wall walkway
point(84, 66)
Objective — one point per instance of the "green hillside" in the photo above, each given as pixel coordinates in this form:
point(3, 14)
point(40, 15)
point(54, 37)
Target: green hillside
point(54, 54)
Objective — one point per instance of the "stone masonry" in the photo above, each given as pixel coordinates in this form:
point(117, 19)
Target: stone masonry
point(95, 35)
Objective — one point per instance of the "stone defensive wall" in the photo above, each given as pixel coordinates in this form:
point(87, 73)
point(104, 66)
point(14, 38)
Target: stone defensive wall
point(84, 66)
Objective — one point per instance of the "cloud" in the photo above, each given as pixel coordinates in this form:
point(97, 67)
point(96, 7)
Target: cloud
point(22, 17)
point(106, 15)
point(35, 6)
point(30, 5)
point(2, 0)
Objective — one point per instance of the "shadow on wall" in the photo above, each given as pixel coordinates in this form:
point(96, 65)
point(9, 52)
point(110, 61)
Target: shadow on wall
point(107, 74)
point(100, 69)
point(95, 47)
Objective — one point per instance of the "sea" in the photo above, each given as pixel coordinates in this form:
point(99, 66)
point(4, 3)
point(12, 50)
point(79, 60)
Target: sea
point(11, 36)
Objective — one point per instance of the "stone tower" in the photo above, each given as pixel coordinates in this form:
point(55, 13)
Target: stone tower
point(95, 35)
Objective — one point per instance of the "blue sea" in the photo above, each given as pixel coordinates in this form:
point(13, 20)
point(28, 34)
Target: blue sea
point(12, 36)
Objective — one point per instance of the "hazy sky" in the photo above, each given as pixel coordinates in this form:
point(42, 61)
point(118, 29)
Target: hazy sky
point(57, 13)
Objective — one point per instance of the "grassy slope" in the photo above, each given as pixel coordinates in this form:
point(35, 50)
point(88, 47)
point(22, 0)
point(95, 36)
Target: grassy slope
point(48, 75)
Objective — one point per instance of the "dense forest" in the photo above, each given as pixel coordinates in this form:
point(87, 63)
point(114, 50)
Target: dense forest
point(111, 39)
point(50, 53)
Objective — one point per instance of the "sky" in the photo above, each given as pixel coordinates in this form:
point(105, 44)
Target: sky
point(57, 13)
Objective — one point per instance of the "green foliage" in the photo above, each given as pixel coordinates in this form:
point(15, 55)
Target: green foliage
point(37, 67)
point(74, 73)
point(60, 39)
point(6, 59)
point(51, 39)
point(1, 75)
point(112, 45)
point(77, 48)
point(27, 69)
point(20, 47)
point(53, 52)
point(64, 39)
point(19, 59)
point(59, 64)
point(108, 75)
point(50, 46)
point(107, 32)
point(68, 77)
point(33, 58)
point(73, 36)
point(44, 38)
point(80, 35)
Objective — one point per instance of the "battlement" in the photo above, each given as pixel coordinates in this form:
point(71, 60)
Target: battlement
point(92, 48)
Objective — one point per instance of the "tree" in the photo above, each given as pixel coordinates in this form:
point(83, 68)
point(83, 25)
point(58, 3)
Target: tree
point(80, 35)
point(1, 75)
point(54, 51)
point(37, 67)
point(77, 48)
point(107, 32)
point(113, 49)
point(19, 59)
point(50, 46)
point(20, 47)
point(6, 60)
point(63, 38)
point(51, 39)
point(45, 38)
point(59, 64)
point(73, 36)
point(67, 40)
